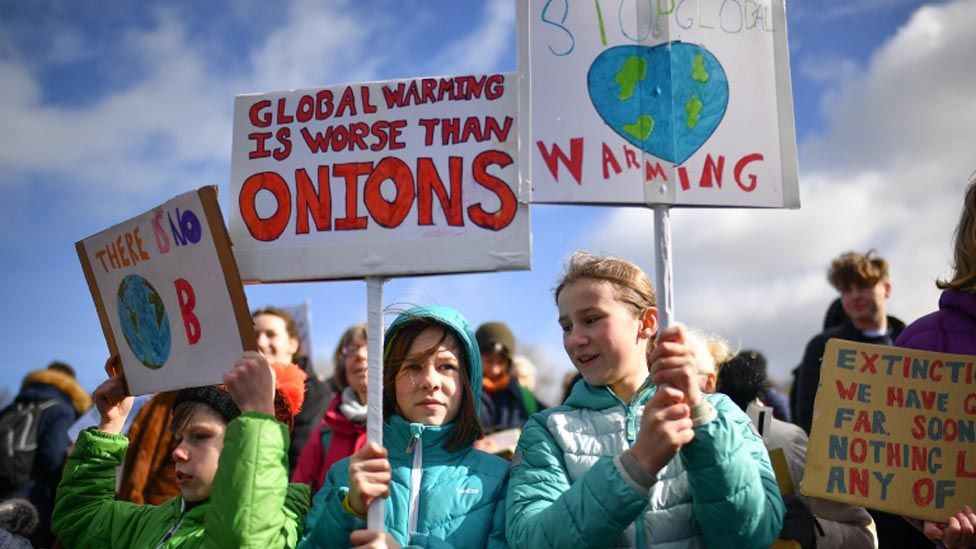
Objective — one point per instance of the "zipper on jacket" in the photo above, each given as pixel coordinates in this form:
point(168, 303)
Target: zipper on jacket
point(169, 533)
point(415, 446)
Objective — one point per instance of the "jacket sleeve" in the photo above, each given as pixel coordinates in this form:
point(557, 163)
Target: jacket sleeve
point(545, 509)
point(735, 496)
point(308, 470)
point(844, 525)
point(86, 513)
point(328, 524)
point(807, 382)
point(250, 490)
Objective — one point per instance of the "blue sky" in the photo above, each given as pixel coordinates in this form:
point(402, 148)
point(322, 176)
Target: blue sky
point(110, 108)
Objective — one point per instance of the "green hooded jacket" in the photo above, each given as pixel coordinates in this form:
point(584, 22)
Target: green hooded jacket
point(251, 502)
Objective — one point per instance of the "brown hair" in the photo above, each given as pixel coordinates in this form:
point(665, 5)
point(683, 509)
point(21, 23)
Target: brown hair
point(352, 333)
point(852, 269)
point(184, 412)
point(290, 325)
point(631, 284)
point(467, 427)
point(62, 367)
point(964, 256)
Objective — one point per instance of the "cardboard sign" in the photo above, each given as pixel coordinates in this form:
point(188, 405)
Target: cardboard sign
point(680, 102)
point(894, 430)
point(379, 179)
point(168, 294)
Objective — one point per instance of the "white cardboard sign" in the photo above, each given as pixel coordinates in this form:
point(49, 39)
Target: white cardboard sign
point(678, 102)
point(168, 294)
point(388, 178)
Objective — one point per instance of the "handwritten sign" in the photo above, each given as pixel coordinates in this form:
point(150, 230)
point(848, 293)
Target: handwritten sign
point(379, 179)
point(168, 294)
point(681, 102)
point(894, 430)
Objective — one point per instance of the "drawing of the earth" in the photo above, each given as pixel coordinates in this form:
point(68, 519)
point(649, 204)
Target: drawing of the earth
point(145, 323)
point(666, 99)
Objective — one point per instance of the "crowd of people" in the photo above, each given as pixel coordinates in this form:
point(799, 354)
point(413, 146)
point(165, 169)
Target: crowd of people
point(664, 437)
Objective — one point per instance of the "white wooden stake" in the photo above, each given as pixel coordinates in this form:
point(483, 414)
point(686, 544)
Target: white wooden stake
point(374, 377)
point(662, 267)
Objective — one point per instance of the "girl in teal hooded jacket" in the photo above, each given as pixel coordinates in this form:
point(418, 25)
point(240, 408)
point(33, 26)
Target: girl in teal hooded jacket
point(440, 491)
point(231, 465)
point(637, 456)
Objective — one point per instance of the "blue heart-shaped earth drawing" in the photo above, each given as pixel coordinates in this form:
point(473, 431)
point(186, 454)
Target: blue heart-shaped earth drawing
point(665, 99)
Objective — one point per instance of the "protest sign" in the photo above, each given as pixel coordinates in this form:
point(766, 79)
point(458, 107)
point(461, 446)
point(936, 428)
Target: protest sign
point(379, 179)
point(673, 102)
point(168, 294)
point(894, 430)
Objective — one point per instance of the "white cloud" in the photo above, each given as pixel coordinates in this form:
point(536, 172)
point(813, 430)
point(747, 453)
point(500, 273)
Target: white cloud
point(887, 173)
point(828, 70)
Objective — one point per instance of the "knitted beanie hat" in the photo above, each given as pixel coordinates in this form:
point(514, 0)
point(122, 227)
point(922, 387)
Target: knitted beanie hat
point(495, 337)
point(289, 396)
point(215, 396)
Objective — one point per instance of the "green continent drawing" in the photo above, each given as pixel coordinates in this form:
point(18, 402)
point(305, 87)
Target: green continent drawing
point(698, 71)
point(693, 107)
point(641, 128)
point(633, 71)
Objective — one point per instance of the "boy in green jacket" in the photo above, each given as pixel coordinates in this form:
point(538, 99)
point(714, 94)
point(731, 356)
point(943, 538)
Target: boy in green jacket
point(231, 465)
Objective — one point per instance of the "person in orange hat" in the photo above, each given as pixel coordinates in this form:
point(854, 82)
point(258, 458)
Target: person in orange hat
point(231, 467)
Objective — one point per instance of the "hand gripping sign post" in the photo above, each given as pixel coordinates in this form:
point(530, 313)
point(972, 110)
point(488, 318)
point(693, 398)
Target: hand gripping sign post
point(894, 430)
point(168, 294)
point(660, 103)
point(376, 180)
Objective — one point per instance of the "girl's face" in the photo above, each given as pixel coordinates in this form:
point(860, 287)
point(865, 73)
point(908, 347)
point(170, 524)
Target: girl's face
point(605, 338)
point(197, 453)
point(273, 340)
point(428, 391)
point(354, 361)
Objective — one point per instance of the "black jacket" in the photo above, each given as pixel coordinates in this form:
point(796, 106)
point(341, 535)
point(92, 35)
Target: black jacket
point(317, 398)
point(808, 373)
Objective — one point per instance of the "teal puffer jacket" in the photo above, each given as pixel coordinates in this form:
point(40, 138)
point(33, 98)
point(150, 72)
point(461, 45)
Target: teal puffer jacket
point(567, 490)
point(251, 503)
point(460, 495)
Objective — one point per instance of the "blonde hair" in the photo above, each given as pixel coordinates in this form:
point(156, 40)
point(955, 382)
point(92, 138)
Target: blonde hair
point(715, 345)
point(630, 283)
point(964, 257)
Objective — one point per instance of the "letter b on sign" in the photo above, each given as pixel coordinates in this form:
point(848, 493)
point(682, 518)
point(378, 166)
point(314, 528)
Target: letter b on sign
point(188, 300)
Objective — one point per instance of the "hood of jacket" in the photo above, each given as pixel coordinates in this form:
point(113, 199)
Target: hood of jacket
point(454, 321)
point(37, 386)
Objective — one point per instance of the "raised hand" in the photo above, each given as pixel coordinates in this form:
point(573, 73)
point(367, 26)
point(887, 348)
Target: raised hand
point(673, 363)
point(666, 426)
point(369, 476)
point(111, 400)
point(252, 383)
point(959, 531)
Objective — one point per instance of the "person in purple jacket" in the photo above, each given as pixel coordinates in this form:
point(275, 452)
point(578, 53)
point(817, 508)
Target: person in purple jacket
point(952, 329)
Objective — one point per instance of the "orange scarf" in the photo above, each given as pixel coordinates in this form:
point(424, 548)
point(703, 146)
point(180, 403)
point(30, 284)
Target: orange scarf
point(493, 386)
